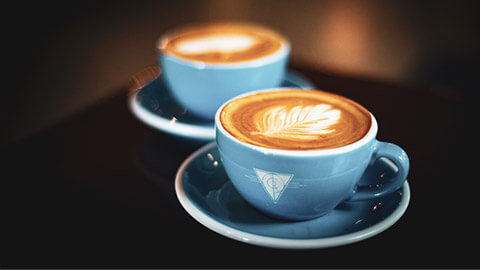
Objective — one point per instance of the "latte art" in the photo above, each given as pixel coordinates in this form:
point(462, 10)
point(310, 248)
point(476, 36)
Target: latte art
point(223, 43)
point(295, 119)
point(299, 122)
point(219, 43)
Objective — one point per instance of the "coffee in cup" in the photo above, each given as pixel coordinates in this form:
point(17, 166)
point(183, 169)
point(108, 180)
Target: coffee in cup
point(296, 120)
point(222, 43)
point(296, 154)
point(206, 64)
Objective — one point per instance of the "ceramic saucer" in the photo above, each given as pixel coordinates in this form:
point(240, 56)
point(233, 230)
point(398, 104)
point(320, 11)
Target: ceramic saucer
point(153, 105)
point(206, 193)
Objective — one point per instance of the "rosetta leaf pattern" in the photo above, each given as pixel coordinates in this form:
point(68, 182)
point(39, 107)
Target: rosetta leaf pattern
point(299, 122)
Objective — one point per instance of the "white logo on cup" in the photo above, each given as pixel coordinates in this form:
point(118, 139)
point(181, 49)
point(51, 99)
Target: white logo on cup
point(273, 183)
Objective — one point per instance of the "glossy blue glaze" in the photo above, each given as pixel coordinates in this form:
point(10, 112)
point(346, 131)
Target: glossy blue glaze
point(318, 184)
point(299, 185)
point(202, 87)
point(209, 189)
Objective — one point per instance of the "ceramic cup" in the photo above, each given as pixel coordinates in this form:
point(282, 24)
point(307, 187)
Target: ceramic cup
point(201, 87)
point(299, 185)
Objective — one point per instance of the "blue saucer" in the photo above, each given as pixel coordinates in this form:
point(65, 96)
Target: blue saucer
point(153, 105)
point(207, 194)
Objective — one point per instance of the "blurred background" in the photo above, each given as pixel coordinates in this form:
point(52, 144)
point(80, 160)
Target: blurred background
point(62, 57)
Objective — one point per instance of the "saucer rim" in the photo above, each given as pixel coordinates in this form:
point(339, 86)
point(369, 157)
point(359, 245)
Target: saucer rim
point(278, 242)
point(163, 124)
point(191, 131)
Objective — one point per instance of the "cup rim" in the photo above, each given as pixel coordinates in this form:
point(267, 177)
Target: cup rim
point(370, 135)
point(282, 52)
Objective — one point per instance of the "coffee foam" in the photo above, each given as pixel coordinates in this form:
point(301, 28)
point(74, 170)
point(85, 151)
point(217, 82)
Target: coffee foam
point(219, 43)
point(296, 120)
point(302, 122)
point(222, 43)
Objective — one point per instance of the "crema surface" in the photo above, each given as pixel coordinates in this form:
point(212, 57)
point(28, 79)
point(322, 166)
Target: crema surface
point(296, 120)
point(222, 43)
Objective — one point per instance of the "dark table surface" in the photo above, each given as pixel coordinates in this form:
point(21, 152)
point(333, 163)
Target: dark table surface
point(96, 191)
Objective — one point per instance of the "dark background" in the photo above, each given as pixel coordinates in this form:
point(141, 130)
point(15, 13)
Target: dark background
point(80, 175)
point(61, 57)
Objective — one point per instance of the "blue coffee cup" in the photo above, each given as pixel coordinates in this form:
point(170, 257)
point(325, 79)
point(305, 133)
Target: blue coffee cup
point(202, 87)
point(300, 185)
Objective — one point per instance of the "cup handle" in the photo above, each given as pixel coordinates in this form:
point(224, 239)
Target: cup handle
point(399, 157)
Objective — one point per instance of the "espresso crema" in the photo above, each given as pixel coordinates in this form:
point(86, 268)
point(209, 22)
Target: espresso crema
point(222, 43)
point(295, 120)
